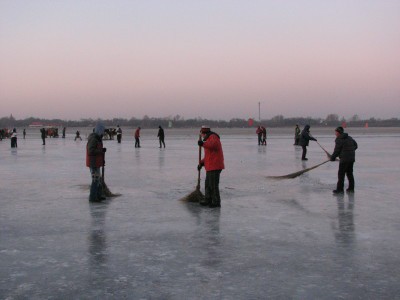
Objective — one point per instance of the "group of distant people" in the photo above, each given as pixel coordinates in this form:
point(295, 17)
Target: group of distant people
point(261, 132)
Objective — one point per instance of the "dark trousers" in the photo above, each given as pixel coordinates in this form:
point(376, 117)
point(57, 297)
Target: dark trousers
point(119, 136)
point(345, 169)
point(96, 188)
point(212, 187)
point(303, 155)
point(259, 138)
point(162, 142)
point(13, 142)
point(137, 142)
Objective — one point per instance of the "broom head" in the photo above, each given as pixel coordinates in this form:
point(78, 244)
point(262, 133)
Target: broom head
point(195, 196)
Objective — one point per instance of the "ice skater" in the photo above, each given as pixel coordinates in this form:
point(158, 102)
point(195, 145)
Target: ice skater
point(78, 135)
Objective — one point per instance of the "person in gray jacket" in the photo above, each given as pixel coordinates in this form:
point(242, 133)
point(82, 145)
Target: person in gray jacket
point(345, 149)
point(305, 137)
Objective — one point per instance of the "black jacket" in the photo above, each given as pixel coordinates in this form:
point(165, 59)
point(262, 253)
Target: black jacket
point(345, 148)
point(305, 136)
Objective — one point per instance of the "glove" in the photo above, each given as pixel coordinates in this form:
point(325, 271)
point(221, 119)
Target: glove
point(199, 166)
point(200, 143)
point(104, 150)
point(332, 158)
point(315, 139)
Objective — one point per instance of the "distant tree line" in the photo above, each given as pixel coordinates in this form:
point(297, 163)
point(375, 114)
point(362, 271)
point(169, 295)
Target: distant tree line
point(179, 122)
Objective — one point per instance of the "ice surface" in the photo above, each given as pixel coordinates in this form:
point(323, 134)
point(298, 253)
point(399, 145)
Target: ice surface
point(278, 239)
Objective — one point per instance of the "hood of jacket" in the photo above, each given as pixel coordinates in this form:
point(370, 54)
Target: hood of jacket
point(99, 129)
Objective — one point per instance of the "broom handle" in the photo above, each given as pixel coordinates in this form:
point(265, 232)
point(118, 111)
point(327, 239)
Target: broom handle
point(327, 153)
point(198, 177)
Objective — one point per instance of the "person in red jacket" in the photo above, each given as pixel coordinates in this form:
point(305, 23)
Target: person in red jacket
point(95, 160)
point(137, 137)
point(213, 162)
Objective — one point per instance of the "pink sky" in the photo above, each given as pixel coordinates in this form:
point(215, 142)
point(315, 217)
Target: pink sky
point(209, 59)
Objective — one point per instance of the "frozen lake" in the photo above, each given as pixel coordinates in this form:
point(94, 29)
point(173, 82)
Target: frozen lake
point(277, 239)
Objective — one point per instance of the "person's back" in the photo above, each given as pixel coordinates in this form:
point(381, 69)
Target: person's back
point(345, 148)
point(95, 160)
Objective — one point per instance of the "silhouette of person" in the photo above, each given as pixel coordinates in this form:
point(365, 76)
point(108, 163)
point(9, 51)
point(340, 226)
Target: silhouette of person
point(161, 136)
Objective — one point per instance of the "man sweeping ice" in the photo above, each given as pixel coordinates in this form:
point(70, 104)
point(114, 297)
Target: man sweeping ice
point(213, 162)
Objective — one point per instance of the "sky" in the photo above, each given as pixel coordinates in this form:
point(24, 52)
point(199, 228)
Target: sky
point(205, 59)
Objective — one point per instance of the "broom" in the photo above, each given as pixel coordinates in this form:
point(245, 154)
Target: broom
point(296, 174)
point(327, 153)
point(196, 195)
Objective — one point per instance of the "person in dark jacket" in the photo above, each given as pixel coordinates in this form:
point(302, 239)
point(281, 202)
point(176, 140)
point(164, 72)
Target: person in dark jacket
point(259, 134)
point(14, 138)
point(78, 135)
point(213, 162)
point(345, 149)
point(161, 135)
point(63, 132)
point(43, 135)
point(296, 135)
point(95, 160)
point(264, 136)
point(305, 137)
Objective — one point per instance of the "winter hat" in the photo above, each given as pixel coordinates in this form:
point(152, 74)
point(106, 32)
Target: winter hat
point(205, 129)
point(99, 129)
point(339, 129)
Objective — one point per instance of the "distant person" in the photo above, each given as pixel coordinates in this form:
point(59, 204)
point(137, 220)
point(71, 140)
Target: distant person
point(78, 135)
point(296, 135)
point(263, 136)
point(43, 135)
point(95, 160)
point(14, 138)
point(24, 133)
point(345, 149)
point(305, 137)
point(119, 134)
point(213, 162)
point(63, 132)
point(161, 136)
point(259, 134)
point(137, 137)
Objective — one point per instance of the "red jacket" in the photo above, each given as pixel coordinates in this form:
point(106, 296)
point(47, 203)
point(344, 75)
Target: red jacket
point(137, 133)
point(94, 152)
point(213, 155)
